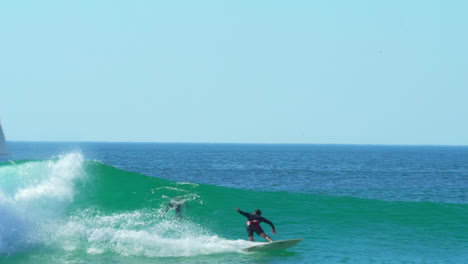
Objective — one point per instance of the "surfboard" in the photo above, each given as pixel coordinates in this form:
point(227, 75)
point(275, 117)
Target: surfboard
point(275, 245)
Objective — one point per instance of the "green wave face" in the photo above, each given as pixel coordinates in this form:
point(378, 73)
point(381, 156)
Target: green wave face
point(68, 207)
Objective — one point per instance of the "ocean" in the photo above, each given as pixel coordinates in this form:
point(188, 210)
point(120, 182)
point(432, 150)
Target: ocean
point(115, 203)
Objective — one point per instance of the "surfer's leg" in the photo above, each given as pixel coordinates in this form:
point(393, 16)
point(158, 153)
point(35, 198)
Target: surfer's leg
point(266, 237)
point(250, 233)
point(261, 233)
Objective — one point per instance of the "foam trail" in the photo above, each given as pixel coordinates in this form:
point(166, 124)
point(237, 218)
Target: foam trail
point(138, 233)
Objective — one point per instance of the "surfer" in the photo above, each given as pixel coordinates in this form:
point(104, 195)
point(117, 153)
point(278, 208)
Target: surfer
point(177, 204)
point(253, 224)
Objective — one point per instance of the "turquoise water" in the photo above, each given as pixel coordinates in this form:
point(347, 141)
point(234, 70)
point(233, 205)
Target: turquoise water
point(110, 203)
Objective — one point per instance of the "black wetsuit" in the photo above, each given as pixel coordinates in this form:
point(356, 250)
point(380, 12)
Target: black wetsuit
point(253, 223)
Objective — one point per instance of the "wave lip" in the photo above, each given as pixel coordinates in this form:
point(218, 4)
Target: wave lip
point(33, 193)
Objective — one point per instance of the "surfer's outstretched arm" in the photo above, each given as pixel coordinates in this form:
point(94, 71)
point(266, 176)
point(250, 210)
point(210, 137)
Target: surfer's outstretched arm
point(242, 212)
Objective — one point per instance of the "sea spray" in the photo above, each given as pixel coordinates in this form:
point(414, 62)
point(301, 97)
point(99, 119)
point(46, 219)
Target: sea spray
point(32, 194)
point(137, 233)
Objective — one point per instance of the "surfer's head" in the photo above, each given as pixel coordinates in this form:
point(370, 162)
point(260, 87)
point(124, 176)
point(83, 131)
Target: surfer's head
point(257, 212)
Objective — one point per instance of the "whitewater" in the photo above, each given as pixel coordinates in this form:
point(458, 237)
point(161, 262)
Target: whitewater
point(41, 206)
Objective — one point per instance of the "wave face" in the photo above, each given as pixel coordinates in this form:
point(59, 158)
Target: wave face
point(71, 205)
point(67, 208)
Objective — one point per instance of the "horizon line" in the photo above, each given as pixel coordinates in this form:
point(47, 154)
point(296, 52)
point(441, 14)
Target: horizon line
point(234, 143)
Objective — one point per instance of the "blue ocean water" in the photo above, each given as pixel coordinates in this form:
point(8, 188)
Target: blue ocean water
point(407, 173)
point(350, 203)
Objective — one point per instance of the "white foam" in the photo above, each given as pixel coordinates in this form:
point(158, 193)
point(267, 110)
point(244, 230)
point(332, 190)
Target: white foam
point(54, 179)
point(140, 233)
point(32, 194)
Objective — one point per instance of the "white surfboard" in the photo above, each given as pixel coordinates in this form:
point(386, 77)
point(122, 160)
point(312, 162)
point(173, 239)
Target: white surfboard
point(275, 245)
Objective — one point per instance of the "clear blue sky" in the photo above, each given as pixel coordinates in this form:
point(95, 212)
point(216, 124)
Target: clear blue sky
point(358, 72)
